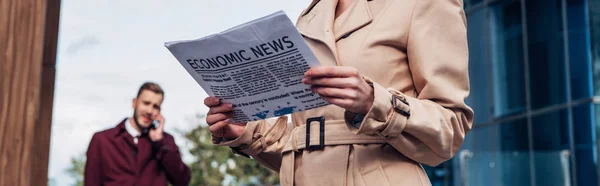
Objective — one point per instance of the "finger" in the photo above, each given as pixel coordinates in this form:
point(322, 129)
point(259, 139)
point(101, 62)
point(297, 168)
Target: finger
point(340, 82)
point(225, 107)
point(214, 118)
point(344, 103)
point(161, 122)
point(212, 101)
point(218, 126)
point(332, 71)
point(335, 92)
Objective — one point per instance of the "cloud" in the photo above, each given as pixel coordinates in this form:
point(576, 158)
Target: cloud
point(86, 42)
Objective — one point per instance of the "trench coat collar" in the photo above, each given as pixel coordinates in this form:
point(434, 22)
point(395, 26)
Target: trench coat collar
point(355, 17)
point(317, 22)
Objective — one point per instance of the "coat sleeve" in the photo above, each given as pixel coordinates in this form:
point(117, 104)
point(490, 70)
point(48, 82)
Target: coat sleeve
point(438, 60)
point(169, 156)
point(92, 174)
point(263, 140)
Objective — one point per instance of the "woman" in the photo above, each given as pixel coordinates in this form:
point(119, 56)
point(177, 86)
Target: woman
point(396, 75)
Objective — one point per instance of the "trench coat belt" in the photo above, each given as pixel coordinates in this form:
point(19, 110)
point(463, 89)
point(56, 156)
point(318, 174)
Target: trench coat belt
point(336, 132)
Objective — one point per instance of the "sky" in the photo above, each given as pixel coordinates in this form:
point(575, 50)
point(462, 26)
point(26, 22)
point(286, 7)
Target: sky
point(107, 49)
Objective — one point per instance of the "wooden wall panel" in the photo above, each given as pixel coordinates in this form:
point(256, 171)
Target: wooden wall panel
point(44, 122)
point(28, 37)
point(22, 48)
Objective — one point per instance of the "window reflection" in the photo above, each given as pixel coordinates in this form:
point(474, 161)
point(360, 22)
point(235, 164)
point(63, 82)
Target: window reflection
point(458, 162)
point(474, 2)
point(513, 136)
point(480, 165)
point(500, 154)
point(479, 81)
point(550, 137)
point(550, 131)
point(586, 165)
point(546, 53)
point(507, 57)
point(594, 15)
point(583, 126)
point(513, 150)
point(585, 143)
point(579, 49)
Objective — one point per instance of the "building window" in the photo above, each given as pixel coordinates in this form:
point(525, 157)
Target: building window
point(504, 18)
point(546, 53)
point(478, 76)
point(551, 155)
point(579, 49)
point(500, 155)
point(584, 134)
point(513, 150)
point(550, 131)
point(473, 2)
point(479, 167)
point(583, 126)
point(594, 14)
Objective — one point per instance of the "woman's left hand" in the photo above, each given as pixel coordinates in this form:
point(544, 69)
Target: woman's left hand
point(341, 86)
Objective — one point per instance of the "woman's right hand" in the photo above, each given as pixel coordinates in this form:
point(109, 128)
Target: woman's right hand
point(218, 119)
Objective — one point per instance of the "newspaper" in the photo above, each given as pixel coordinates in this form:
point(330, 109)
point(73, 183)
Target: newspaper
point(256, 66)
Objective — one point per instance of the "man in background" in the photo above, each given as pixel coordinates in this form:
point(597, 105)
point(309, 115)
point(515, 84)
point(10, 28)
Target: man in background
point(137, 151)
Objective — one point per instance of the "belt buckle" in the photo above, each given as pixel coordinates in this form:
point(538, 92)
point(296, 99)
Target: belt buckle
point(397, 107)
point(321, 144)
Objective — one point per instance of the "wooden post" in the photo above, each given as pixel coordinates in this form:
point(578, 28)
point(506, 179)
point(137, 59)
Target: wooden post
point(28, 42)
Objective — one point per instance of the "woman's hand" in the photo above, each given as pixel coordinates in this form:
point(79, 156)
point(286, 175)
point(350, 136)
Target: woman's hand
point(341, 86)
point(218, 119)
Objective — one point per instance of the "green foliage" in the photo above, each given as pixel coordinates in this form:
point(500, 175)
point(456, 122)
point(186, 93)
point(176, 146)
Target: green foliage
point(76, 169)
point(217, 165)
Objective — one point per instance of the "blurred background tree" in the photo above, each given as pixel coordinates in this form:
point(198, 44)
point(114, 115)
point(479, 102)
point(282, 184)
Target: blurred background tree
point(76, 169)
point(217, 165)
point(212, 165)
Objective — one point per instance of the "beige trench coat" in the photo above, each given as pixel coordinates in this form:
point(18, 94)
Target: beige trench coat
point(415, 50)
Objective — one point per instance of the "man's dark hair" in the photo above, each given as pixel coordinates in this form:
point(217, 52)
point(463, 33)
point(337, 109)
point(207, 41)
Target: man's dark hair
point(151, 87)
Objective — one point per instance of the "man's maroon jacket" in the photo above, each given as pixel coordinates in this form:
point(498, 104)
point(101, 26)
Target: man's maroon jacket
point(114, 159)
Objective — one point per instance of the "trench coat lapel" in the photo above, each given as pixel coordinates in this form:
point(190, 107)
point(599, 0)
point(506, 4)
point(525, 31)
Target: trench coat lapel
point(354, 18)
point(316, 23)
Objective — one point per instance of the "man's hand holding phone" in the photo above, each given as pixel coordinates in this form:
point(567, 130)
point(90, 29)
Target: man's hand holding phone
point(156, 134)
point(218, 119)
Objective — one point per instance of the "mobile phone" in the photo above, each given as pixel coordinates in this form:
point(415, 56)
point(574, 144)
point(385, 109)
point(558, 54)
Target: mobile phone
point(155, 124)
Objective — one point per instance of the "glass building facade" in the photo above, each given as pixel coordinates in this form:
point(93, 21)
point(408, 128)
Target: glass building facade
point(535, 88)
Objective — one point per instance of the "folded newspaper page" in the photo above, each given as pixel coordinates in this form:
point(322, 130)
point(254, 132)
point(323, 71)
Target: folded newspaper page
point(256, 66)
